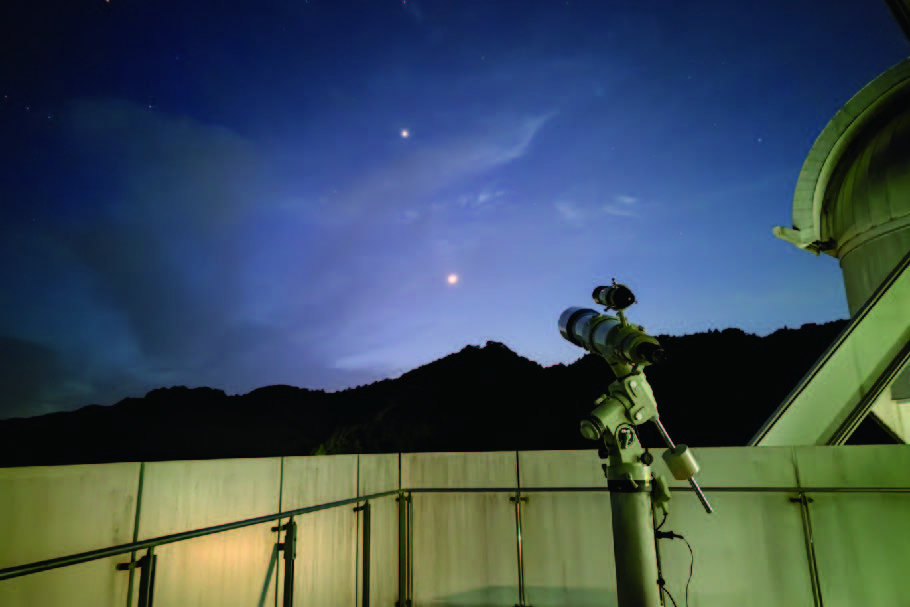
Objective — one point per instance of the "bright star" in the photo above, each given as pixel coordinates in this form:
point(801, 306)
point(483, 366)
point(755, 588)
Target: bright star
point(453, 278)
point(404, 133)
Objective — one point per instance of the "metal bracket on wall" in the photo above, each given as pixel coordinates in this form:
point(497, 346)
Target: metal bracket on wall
point(517, 499)
point(289, 549)
point(146, 566)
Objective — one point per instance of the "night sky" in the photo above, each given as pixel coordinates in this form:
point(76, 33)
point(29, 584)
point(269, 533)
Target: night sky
point(325, 193)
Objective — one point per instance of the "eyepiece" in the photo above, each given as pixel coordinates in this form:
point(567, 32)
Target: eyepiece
point(615, 296)
point(652, 353)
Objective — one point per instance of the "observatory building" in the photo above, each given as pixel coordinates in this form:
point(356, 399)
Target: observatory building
point(852, 202)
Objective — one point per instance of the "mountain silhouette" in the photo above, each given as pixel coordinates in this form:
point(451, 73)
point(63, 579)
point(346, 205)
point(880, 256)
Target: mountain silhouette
point(715, 388)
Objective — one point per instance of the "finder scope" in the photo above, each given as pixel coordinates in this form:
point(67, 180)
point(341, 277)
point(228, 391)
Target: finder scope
point(615, 296)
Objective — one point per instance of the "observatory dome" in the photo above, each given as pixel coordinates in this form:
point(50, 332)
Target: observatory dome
point(852, 199)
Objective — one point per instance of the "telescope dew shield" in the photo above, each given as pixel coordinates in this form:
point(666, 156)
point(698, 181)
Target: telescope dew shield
point(574, 323)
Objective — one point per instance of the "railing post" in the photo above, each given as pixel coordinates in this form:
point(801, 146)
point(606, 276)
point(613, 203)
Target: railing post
point(147, 578)
point(804, 500)
point(366, 554)
point(147, 566)
point(365, 591)
point(404, 552)
point(289, 550)
point(517, 499)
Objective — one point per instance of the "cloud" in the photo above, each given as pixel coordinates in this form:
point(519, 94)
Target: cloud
point(165, 168)
point(210, 274)
point(27, 369)
point(177, 269)
point(618, 211)
point(483, 198)
point(578, 213)
point(570, 212)
point(431, 169)
point(621, 207)
point(361, 236)
point(163, 248)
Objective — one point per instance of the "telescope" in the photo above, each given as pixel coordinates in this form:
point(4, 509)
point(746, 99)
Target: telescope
point(629, 402)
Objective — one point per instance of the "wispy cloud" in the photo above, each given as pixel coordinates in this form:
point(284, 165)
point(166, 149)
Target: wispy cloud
point(430, 169)
point(570, 212)
point(577, 213)
point(622, 206)
point(480, 199)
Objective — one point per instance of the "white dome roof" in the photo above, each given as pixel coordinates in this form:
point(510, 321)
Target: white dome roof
point(854, 183)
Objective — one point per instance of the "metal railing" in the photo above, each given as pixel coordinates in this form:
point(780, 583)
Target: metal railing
point(147, 564)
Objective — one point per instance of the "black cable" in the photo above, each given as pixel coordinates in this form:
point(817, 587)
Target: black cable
point(669, 535)
point(663, 520)
point(664, 588)
point(691, 567)
point(660, 573)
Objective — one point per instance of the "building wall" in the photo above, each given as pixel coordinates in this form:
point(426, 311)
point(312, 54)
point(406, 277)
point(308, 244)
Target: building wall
point(751, 551)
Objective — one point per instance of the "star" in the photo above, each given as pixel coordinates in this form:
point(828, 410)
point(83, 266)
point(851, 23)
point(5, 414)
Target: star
point(404, 133)
point(452, 279)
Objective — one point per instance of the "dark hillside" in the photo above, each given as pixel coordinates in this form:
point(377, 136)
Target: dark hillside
point(714, 389)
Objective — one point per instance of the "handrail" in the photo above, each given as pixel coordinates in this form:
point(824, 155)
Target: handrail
point(93, 555)
point(83, 557)
point(731, 489)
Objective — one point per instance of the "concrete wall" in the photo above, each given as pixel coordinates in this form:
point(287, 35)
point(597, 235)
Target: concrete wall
point(751, 551)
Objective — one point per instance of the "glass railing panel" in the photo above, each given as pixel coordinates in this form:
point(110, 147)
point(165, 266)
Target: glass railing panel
point(464, 549)
point(184, 495)
point(378, 473)
point(55, 511)
point(94, 584)
point(233, 568)
point(326, 564)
